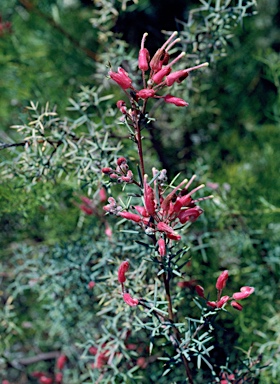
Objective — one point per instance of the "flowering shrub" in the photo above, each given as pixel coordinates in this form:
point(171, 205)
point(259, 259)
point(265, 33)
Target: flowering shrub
point(164, 210)
point(121, 279)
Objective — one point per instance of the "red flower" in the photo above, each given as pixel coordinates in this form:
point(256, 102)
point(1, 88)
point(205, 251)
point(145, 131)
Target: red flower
point(123, 268)
point(129, 300)
point(199, 290)
point(222, 280)
point(121, 78)
point(175, 100)
point(144, 56)
point(146, 93)
point(244, 293)
point(61, 360)
point(91, 284)
point(161, 247)
point(236, 305)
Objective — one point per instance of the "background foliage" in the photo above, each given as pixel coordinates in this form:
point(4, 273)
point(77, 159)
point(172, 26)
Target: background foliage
point(229, 136)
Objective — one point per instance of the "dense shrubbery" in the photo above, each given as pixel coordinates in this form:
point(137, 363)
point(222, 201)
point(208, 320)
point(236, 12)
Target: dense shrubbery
point(60, 293)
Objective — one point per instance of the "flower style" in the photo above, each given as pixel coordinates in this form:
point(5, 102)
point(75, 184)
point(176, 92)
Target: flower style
point(160, 75)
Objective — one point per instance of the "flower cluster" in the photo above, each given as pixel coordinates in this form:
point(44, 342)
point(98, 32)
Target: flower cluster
point(222, 300)
point(121, 173)
point(160, 75)
point(161, 213)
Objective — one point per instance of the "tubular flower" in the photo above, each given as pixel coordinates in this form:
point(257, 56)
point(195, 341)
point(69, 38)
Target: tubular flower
point(129, 300)
point(121, 77)
point(175, 100)
point(244, 293)
point(161, 247)
point(144, 56)
point(123, 268)
point(222, 280)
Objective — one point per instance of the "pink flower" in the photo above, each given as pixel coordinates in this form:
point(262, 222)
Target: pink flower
point(244, 293)
point(60, 362)
point(191, 214)
point(146, 93)
point(186, 283)
point(123, 268)
point(175, 100)
point(178, 76)
point(142, 362)
point(161, 247)
point(222, 280)
point(223, 300)
point(212, 304)
point(130, 216)
point(199, 290)
point(149, 198)
point(91, 284)
point(158, 77)
point(144, 56)
point(108, 230)
point(121, 78)
point(45, 380)
point(58, 377)
point(102, 195)
point(129, 300)
point(162, 227)
point(236, 305)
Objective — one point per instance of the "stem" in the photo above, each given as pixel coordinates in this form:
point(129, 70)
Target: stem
point(140, 149)
point(171, 318)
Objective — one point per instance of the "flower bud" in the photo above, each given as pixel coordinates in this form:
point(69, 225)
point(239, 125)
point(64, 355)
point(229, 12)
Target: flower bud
point(146, 93)
point(91, 284)
point(121, 160)
point(106, 170)
point(175, 100)
point(121, 78)
point(130, 216)
point(190, 214)
point(178, 76)
point(158, 77)
point(212, 304)
point(58, 377)
point(102, 195)
point(45, 380)
point(161, 247)
point(222, 280)
point(60, 362)
point(236, 305)
point(123, 268)
point(129, 300)
point(199, 290)
point(222, 301)
point(143, 59)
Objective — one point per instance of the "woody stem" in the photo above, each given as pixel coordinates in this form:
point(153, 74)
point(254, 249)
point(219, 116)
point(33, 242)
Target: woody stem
point(140, 149)
point(171, 318)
